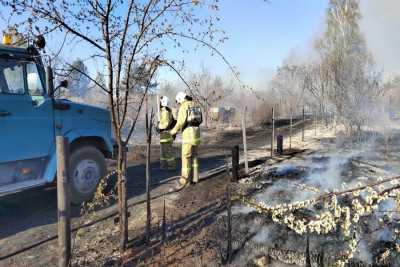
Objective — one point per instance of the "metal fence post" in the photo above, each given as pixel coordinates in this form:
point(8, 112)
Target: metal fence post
point(235, 163)
point(246, 162)
point(303, 126)
point(308, 256)
point(273, 132)
point(291, 129)
point(315, 123)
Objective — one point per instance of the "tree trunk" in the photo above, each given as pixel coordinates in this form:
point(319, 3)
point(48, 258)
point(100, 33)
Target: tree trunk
point(149, 125)
point(122, 201)
point(148, 202)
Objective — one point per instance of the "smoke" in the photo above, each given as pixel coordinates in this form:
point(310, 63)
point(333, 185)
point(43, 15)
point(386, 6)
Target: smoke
point(330, 178)
point(363, 252)
point(285, 168)
point(325, 171)
point(267, 234)
point(242, 210)
point(380, 24)
point(324, 175)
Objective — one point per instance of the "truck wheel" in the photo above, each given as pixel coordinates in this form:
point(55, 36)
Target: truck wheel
point(87, 167)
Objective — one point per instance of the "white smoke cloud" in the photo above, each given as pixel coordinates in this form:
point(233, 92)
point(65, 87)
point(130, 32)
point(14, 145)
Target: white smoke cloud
point(363, 252)
point(324, 176)
point(381, 24)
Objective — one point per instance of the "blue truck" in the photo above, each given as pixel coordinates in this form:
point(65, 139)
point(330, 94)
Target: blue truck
point(30, 120)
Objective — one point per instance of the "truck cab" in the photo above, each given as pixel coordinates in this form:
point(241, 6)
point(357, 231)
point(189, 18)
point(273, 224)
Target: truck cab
point(30, 120)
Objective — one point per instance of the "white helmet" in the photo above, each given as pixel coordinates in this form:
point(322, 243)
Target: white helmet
point(180, 97)
point(164, 101)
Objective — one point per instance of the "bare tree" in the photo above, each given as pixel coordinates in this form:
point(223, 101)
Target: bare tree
point(288, 87)
point(123, 35)
point(95, 95)
point(349, 72)
point(343, 78)
point(78, 82)
point(149, 116)
point(316, 82)
point(392, 89)
point(207, 90)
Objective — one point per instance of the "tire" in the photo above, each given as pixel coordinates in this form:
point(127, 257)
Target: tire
point(87, 167)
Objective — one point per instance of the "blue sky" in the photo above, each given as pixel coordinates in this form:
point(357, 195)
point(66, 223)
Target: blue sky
point(261, 35)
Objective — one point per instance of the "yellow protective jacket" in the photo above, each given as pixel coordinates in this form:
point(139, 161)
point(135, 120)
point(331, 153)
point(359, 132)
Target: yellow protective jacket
point(166, 119)
point(190, 134)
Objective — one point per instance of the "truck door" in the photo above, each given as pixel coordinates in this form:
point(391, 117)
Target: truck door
point(26, 122)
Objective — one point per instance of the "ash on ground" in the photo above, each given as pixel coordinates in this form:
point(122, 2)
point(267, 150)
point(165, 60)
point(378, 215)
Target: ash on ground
point(258, 241)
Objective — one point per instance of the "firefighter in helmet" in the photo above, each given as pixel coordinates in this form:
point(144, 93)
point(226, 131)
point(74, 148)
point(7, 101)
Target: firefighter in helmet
point(166, 123)
point(188, 121)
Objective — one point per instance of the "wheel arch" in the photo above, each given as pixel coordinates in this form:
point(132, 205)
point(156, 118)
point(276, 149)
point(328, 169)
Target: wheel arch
point(79, 139)
point(94, 141)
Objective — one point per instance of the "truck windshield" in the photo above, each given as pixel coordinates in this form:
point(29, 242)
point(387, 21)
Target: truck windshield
point(11, 77)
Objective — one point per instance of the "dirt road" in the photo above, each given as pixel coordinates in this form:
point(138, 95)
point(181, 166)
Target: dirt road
point(39, 207)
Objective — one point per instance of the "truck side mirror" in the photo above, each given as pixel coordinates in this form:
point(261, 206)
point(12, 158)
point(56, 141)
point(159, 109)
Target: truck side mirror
point(50, 83)
point(63, 83)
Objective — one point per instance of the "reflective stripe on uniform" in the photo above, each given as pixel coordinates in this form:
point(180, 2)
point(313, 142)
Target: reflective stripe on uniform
point(167, 158)
point(191, 142)
point(166, 140)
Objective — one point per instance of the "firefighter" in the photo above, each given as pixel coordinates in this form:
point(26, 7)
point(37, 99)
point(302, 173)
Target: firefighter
point(188, 121)
point(166, 123)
